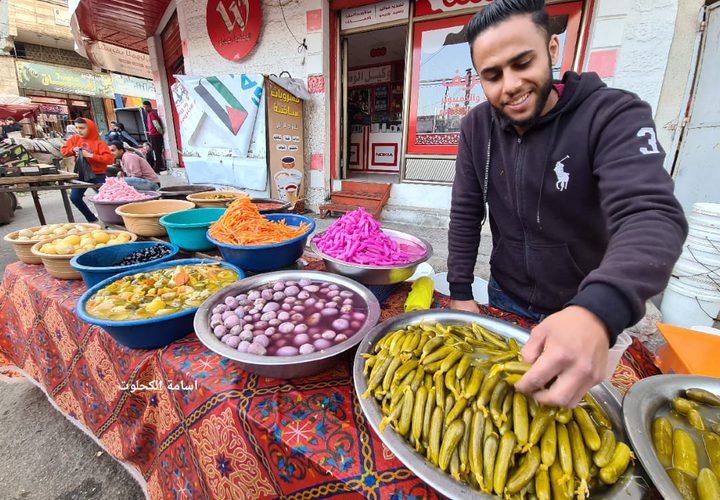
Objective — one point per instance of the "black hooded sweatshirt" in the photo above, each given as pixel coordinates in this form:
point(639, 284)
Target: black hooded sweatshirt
point(581, 209)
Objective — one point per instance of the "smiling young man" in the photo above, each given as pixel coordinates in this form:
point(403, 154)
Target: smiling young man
point(584, 221)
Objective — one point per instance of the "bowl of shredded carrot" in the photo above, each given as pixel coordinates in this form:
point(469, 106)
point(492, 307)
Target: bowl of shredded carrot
point(257, 242)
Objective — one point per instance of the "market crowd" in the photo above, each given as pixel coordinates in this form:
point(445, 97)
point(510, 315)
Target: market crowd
point(120, 154)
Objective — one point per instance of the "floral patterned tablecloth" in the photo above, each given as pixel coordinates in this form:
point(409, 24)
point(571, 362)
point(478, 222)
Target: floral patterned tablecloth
point(222, 432)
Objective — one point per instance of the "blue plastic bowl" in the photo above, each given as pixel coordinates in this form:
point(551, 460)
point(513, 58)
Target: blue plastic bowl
point(147, 333)
point(97, 265)
point(268, 257)
point(187, 229)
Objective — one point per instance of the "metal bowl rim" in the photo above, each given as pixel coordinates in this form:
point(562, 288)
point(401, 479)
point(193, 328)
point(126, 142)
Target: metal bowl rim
point(639, 433)
point(426, 245)
point(202, 316)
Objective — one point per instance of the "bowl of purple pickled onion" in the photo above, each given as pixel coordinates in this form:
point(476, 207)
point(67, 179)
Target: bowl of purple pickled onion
point(358, 247)
point(287, 324)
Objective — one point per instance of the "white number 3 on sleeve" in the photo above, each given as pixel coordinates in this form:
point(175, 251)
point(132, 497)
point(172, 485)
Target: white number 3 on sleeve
point(652, 141)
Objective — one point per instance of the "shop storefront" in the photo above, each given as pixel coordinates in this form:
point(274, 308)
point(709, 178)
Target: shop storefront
point(403, 104)
point(130, 92)
point(389, 82)
point(64, 95)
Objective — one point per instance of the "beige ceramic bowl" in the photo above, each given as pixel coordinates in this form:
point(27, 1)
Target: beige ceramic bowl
point(59, 265)
point(22, 248)
point(143, 217)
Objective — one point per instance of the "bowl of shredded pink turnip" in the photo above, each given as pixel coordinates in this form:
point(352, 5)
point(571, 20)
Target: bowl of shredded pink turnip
point(358, 247)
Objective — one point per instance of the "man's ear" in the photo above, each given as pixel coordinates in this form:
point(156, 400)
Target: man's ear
point(554, 49)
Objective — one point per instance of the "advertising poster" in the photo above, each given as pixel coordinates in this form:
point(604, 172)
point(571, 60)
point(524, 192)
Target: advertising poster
point(222, 129)
point(285, 143)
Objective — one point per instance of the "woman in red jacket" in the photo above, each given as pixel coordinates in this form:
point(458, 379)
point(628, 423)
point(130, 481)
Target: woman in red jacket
point(88, 144)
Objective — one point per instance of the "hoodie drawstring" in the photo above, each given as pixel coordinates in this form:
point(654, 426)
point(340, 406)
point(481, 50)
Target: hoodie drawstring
point(556, 122)
point(487, 172)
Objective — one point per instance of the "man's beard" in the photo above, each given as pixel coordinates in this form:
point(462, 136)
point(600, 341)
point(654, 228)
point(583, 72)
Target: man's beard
point(543, 94)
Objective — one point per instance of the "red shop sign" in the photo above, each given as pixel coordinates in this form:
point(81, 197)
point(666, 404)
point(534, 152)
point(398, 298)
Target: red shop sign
point(233, 26)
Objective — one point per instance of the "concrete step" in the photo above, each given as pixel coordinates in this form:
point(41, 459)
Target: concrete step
point(427, 217)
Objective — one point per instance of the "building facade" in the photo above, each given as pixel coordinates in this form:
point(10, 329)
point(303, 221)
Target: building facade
point(389, 81)
point(38, 60)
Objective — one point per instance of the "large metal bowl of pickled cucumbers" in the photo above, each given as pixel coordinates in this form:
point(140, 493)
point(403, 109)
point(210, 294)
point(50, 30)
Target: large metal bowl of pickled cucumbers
point(666, 397)
point(434, 464)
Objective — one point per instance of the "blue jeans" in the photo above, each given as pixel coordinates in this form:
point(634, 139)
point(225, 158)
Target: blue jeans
point(142, 184)
point(76, 196)
point(500, 300)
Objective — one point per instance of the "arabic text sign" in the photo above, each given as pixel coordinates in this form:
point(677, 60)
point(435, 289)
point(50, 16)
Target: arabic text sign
point(285, 143)
point(37, 76)
point(158, 385)
point(120, 59)
point(368, 15)
point(369, 76)
point(429, 7)
point(133, 87)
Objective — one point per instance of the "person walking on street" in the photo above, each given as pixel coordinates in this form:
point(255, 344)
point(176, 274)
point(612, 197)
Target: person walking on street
point(155, 136)
point(585, 225)
point(137, 171)
point(87, 144)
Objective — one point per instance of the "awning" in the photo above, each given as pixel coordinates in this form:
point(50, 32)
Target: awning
point(125, 23)
point(17, 111)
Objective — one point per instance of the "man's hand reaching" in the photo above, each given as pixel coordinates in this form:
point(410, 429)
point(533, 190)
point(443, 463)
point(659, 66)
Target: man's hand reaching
point(569, 351)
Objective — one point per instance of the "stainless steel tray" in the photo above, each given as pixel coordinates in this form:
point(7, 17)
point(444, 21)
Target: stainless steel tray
point(640, 405)
point(630, 485)
point(288, 367)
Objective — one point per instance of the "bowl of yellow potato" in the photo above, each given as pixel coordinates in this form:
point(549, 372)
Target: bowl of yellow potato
point(23, 240)
point(56, 253)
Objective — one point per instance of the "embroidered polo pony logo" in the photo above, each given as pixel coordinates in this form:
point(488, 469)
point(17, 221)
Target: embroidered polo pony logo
point(562, 177)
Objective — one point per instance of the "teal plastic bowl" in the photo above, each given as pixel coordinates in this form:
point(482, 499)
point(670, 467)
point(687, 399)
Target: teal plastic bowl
point(187, 229)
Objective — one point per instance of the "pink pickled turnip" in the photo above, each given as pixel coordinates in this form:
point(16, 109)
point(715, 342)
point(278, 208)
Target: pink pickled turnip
point(116, 189)
point(357, 238)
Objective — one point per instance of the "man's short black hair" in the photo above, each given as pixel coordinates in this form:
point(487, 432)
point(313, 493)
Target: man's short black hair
point(147, 103)
point(502, 10)
point(117, 144)
point(81, 120)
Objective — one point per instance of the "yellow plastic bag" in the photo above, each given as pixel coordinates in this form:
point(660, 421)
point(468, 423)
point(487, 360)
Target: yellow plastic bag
point(421, 295)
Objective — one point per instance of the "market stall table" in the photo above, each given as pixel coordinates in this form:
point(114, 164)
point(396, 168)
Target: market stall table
point(190, 424)
point(48, 182)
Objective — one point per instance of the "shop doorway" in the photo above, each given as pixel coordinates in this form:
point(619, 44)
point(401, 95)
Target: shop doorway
point(372, 104)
